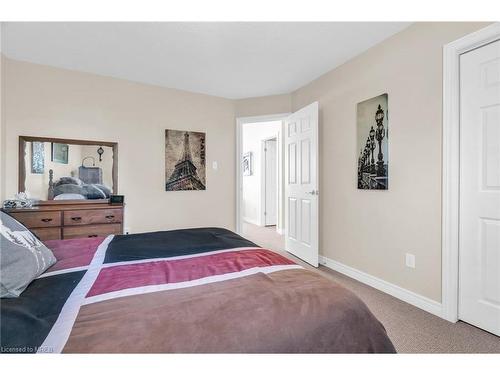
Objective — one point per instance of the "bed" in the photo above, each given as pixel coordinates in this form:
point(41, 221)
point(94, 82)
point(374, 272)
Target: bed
point(89, 187)
point(204, 290)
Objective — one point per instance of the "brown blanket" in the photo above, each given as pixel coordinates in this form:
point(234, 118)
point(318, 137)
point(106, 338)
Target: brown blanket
point(290, 311)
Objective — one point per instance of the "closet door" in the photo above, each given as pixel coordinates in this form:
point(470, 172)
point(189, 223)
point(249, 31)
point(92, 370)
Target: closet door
point(479, 243)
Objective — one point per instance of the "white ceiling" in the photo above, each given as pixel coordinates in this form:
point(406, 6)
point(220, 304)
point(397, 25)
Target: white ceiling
point(232, 60)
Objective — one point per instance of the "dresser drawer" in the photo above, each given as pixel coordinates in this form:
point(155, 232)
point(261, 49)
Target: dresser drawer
point(85, 217)
point(45, 234)
point(39, 219)
point(91, 230)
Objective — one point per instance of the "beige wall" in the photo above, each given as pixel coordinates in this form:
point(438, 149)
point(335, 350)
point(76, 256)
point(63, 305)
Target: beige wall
point(45, 101)
point(367, 230)
point(2, 126)
point(1, 116)
point(372, 230)
point(2, 113)
point(266, 105)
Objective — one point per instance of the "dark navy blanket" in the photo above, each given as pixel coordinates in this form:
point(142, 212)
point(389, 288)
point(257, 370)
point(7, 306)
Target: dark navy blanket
point(172, 243)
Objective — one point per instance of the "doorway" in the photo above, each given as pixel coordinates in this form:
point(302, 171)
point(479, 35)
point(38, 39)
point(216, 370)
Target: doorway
point(260, 216)
point(297, 143)
point(471, 179)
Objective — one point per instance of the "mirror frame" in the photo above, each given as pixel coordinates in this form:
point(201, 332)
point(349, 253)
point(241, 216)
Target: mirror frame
point(22, 165)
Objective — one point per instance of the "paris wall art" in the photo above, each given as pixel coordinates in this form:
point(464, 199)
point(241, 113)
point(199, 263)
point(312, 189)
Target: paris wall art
point(184, 160)
point(373, 143)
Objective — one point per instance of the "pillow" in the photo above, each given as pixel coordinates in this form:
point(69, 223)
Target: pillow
point(68, 189)
point(68, 181)
point(23, 257)
point(64, 196)
point(106, 190)
point(92, 192)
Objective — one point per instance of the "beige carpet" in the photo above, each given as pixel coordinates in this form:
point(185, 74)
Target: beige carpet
point(411, 330)
point(264, 236)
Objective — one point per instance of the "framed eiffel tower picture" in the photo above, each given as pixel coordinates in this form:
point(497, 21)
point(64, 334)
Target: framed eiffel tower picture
point(184, 160)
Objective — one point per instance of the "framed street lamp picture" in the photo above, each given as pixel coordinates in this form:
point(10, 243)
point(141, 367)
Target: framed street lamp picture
point(372, 120)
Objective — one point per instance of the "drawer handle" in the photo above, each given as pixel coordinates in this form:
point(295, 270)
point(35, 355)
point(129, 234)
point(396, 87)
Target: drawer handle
point(77, 218)
point(110, 216)
point(92, 235)
point(46, 220)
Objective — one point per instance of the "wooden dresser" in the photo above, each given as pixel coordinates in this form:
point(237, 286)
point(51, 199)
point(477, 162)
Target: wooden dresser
point(63, 221)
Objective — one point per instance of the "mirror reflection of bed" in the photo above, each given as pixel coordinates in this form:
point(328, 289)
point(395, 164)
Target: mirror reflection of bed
point(63, 171)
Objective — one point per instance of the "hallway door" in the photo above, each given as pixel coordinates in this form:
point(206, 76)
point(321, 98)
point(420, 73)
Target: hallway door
point(301, 184)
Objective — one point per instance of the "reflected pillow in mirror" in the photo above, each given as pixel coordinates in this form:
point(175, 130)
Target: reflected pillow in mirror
point(68, 196)
point(68, 181)
point(68, 189)
point(93, 192)
point(106, 190)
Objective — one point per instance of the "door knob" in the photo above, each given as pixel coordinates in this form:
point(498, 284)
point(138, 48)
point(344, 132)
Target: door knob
point(313, 192)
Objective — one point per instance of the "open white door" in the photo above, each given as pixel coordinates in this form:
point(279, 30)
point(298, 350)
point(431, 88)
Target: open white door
point(479, 240)
point(301, 184)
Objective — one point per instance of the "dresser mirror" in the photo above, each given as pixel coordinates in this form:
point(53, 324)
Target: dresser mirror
point(58, 171)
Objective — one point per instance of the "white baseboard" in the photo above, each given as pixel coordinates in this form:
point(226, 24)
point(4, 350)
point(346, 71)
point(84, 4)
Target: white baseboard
point(405, 295)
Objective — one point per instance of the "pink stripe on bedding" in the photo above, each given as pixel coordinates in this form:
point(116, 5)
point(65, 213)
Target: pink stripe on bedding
point(72, 253)
point(121, 277)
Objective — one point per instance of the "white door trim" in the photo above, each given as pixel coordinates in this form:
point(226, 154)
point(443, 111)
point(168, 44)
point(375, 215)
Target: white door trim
point(239, 154)
point(263, 180)
point(451, 161)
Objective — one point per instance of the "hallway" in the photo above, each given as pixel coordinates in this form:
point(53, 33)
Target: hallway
point(266, 237)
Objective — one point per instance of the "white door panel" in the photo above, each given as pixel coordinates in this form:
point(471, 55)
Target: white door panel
point(479, 242)
point(292, 218)
point(491, 148)
point(292, 163)
point(301, 188)
point(305, 161)
point(305, 225)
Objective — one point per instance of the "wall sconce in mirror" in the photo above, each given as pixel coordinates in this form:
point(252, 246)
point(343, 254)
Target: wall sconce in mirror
point(100, 151)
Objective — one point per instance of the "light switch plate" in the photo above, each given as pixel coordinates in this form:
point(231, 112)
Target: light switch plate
point(410, 260)
point(215, 165)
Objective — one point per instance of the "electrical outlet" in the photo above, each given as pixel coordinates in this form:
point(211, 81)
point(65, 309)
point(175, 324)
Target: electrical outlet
point(410, 260)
